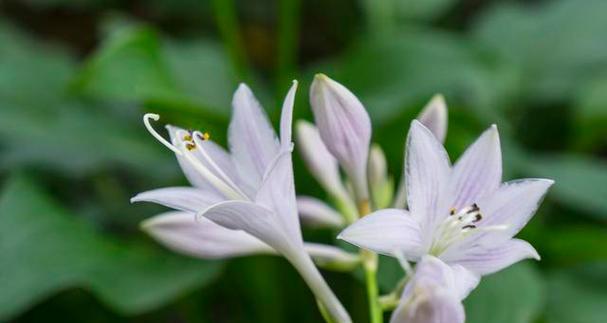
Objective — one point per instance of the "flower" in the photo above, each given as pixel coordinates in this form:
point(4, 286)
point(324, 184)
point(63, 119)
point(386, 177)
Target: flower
point(345, 129)
point(435, 293)
point(434, 117)
point(461, 214)
point(250, 189)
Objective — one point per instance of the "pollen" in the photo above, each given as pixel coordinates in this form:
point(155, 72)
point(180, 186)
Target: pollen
point(204, 136)
point(190, 146)
point(187, 137)
point(452, 211)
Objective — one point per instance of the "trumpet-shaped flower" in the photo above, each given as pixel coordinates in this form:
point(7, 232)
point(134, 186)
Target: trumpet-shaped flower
point(345, 128)
point(435, 293)
point(250, 189)
point(461, 214)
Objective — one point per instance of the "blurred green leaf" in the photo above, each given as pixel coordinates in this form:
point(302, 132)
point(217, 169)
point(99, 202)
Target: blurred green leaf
point(422, 9)
point(579, 181)
point(44, 249)
point(554, 48)
point(514, 295)
point(578, 295)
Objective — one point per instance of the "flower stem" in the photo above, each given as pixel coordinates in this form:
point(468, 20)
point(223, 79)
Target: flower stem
point(369, 262)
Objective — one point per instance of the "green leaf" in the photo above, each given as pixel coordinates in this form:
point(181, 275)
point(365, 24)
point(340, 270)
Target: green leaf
point(578, 295)
point(579, 181)
point(422, 9)
point(44, 249)
point(514, 295)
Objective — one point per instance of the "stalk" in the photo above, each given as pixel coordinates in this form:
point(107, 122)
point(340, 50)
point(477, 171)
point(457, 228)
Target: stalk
point(369, 262)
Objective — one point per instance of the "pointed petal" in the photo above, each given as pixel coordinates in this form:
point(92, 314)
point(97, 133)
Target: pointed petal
point(344, 126)
point(252, 140)
point(479, 171)
point(330, 256)
point(202, 238)
point(317, 213)
point(286, 118)
point(434, 117)
point(180, 198)
point(427, 173)
point(485, 261)
point(514, 203)
point(387, 231)
point(318, 159)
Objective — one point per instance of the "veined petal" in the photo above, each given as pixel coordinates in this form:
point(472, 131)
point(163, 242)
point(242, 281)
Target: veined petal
point(202, 238)
point(318, 159)
point(386, 231)
point(484, 261)
point(479, 171)
point(286, 118)
point(251, 138)
point(427, 172)
point(180, 198)
point(277, 193)
point(315, 212)
point(344, 126)
point(514, 203)
point(434, 117)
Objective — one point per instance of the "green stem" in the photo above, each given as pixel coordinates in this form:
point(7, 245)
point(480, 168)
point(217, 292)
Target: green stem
point(227, 22)
point(370, 262)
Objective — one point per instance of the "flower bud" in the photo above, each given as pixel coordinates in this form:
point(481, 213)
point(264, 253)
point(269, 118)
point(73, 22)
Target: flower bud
point(434, 117)
point(380, 183)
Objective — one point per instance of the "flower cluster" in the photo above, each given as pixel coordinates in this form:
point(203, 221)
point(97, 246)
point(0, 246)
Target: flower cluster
point(455, 223)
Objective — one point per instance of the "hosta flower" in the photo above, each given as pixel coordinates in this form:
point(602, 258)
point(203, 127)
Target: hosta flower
point(435, 293)
point(249, 189)
point(461, 214)
point(345, 128)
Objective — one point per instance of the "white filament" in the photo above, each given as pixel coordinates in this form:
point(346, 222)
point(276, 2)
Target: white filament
point(155, 117)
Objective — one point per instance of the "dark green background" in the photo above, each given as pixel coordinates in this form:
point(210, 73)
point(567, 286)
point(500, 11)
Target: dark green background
point(76, 77)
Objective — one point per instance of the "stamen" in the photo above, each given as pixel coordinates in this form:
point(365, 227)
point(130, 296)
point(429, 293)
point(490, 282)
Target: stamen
point(204, 136)
point(155, 117)
point(190, 146)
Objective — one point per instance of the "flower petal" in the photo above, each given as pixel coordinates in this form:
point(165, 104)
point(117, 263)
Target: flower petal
point(344, 126)
point(180, 198)
point(434, 117)
point(286, 118)
point(485, 261)
point(315, 212)
point(438, 307)
point(201, 238)
point(330, 256)
point(479, 171)
point(387, 231)
point(514, 203)
point(251, 138)
point(427, 171)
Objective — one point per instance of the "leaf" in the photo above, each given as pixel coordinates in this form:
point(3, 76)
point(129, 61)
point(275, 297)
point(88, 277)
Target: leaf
point(422, 9)
point(578, 295)
point(514, 295)
point(44, 249)
point(579, 181)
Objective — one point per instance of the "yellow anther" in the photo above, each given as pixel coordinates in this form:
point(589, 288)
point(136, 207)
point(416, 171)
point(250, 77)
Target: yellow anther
point(187, 137)
point(190, 146)
point(452, 211)
point(204, 136)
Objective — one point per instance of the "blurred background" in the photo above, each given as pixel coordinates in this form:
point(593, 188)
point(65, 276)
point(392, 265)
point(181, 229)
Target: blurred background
point(76, 77)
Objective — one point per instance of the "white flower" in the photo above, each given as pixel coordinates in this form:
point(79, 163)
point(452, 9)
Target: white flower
point(461, 214)
point(249, 189)
point(345, 128)
point(434, 294)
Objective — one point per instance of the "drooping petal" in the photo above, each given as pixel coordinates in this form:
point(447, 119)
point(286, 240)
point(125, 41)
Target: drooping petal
point(286, 119)
point(432, 295)
point(434, 117)
point(427, 171)
point(277, 193)
point(180, 198)
point(484, 261)
point(252, 139)
point(344, 126)
point(479, 171)
point(514, 203)
point(317, 213)
point(201, 238)
point(386, 231)
point(318, 159)
point(265, 224)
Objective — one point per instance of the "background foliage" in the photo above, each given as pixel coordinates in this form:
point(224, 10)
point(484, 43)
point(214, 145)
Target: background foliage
point(76, 76)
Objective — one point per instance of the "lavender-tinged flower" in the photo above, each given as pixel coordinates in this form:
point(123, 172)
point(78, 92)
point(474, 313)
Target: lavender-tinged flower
point(344, 127)
point(461, 214)
point(203, 238)
point(435, 293)
point(250, 189)
point(316, 213)
point(434, 117)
